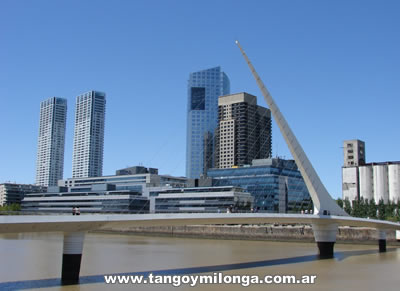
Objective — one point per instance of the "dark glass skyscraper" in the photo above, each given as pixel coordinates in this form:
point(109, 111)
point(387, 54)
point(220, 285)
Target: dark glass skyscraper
point(204, 88)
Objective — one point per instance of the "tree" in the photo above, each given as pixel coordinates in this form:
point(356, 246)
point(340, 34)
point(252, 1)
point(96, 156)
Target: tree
point(347, 206)
point(390, 207)
point(363, 208)
point(372, 209)
point(366, 207)
point(339, 202)
point(355, 208)
point(381, 210)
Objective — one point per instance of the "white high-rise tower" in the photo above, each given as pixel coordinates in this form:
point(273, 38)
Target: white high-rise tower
point(51, 142)
point(89, 135)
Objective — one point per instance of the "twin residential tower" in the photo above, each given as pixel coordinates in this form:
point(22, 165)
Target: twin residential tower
point(88, 138)
point(51, 141)
point(90, 112)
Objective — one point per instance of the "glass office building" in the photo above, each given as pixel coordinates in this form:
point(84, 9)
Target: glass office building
point(93, 201)
point(276, 184)
point(203, 200)
point(204, 88)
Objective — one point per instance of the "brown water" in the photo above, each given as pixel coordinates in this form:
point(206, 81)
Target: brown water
point(28, 257)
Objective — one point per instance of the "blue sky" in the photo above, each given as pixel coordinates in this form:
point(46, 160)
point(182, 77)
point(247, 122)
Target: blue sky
point(333, 68)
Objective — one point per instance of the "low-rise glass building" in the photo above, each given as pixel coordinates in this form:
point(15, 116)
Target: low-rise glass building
point(276, 184)
point(13, 193)
point(98, 200)
point(203, 199)
point(128, 179)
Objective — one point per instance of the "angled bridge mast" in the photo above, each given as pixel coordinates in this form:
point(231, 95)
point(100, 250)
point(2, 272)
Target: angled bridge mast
point(319, 195)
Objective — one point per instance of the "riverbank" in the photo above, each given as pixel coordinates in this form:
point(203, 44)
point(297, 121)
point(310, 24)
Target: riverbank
point(287, 233)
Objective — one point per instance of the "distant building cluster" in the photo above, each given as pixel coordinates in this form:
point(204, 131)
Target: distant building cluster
point(270, 185)
point(371, 181)
point(228, 160)
point(223, 130)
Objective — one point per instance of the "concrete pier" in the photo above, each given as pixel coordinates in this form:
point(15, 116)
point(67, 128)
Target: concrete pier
point(382, 240)
point(325, 236)
point(72, 256)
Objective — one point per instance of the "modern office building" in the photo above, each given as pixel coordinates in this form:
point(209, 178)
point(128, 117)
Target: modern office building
point(244, 131)
point(128, 191)
point(275, 184)
point(101, 198)
point(14, 193)
point(376, 180)
point(135, 178)
point(89, 135)
point(51, 141)
point(203, 199)
point(204, 88)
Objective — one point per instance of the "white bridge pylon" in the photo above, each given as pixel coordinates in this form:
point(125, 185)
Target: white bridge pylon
point(323, 202)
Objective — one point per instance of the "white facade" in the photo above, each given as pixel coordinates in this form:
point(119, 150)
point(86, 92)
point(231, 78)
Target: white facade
point(227, 144)
point(394, 182)
point(365, 174)
point(381, 186)
point(379, 181)
point(89, 135)
point(51, 141)
point(350, 183)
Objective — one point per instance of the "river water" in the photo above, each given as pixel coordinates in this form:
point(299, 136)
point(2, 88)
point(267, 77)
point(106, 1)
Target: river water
point(33, 261)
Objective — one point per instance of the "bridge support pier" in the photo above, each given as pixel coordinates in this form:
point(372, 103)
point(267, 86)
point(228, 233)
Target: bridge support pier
point(72, 255)
point(325, 236)
point(382, 240)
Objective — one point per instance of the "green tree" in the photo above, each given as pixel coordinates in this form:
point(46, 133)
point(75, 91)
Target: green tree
point(381, 210)
point(366, 208)
point(363, 208)
point(347, 206)
point(390, 207)
point(372, 209)
point(339, 202)
point(355, 208)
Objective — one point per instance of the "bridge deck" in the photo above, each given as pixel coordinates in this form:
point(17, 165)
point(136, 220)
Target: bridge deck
point(70, 223)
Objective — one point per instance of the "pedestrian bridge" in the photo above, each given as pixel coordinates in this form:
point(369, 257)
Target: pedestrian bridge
point(74, 228)
point(70, 223)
